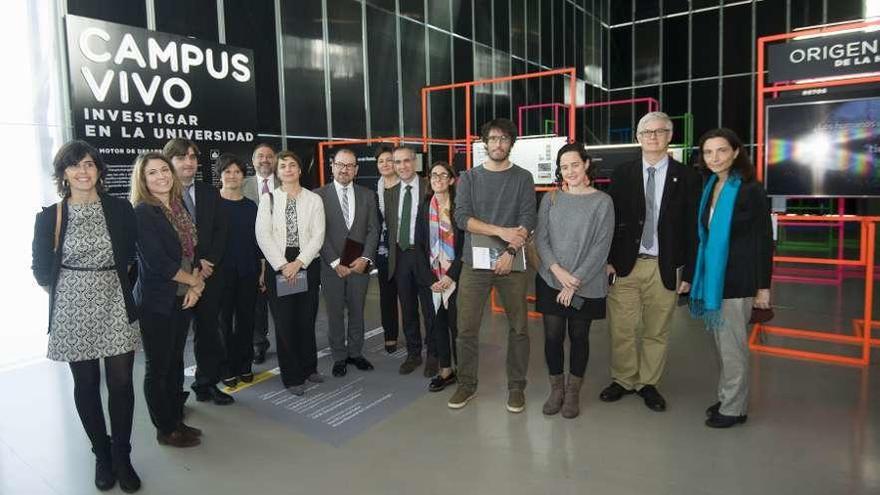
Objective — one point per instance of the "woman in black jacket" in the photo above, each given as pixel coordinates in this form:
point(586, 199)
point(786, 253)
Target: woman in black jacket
point(167, 288)
point(734, 265)
point(440, 242)
point(81, 250)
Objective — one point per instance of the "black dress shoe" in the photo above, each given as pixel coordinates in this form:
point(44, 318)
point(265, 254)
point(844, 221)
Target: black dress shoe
point(260, 356)
point(213, 394)
point(438, 383)
point(230, 382)
point(340, 368)
point(719, 420)
point(652, 398)
point(390, 348)
point(105, 479)
point(614, 393)
point(360, 363)
point(412, 362)
point(713, 409)
point(247, 377)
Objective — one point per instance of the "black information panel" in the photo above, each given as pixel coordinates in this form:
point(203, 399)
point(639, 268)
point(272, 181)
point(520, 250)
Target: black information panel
point(132, 90)
point(827, 148)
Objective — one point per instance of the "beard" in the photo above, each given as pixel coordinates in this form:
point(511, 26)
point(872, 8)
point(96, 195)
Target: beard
point(499, 154)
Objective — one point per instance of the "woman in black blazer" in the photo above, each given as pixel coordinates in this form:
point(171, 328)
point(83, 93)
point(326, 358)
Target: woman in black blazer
point(81, 250)
point(167, 288)
point(734, 265)
point(440, 243)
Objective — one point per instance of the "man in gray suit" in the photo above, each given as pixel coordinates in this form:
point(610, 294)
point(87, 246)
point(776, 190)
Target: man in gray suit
point(263, 182)
point(401, 206)
point(352, 218)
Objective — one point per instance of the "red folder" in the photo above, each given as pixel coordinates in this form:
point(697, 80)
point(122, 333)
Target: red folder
point(352, 251)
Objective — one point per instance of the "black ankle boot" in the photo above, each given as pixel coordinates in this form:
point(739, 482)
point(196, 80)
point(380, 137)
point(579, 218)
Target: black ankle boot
point(104, 477)
point(129, 481)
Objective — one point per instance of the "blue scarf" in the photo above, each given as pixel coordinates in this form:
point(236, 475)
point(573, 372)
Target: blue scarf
point(707, 288)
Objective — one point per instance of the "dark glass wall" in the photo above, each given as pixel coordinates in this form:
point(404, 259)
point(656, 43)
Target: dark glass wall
point(698, 56)
point(328, 69)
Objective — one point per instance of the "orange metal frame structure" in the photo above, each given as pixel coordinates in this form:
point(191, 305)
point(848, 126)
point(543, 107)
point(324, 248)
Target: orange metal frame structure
point(467, 85)
point(860, 337)
point(862, 332)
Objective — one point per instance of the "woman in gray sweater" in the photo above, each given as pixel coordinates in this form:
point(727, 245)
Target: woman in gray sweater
point(573, 236)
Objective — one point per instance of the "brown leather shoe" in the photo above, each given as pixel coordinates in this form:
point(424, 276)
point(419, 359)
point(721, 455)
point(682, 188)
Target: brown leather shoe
point(189, 430)
point(177, 439)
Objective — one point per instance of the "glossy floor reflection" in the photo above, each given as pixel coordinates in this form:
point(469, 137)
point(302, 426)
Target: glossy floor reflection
point(812, 429)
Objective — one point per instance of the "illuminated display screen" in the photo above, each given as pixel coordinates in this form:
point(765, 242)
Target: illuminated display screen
point(829, 148)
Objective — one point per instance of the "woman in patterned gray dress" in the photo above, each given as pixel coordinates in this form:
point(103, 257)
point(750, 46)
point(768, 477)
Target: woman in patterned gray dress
point(81, 250)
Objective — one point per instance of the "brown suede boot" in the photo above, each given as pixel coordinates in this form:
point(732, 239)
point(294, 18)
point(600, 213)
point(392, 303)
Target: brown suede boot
point(571, 406)
point(557, 392)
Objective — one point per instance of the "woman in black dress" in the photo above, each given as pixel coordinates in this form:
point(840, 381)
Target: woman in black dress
point(239, 272)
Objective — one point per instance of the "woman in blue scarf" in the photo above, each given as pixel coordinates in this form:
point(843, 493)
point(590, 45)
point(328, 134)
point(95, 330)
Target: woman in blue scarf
point(734, 265)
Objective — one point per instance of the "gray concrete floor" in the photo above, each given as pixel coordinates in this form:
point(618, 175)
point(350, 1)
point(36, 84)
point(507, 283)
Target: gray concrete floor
point(812, 429)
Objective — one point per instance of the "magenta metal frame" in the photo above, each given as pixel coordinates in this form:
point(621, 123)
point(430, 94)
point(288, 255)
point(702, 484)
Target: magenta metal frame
point(653, 106)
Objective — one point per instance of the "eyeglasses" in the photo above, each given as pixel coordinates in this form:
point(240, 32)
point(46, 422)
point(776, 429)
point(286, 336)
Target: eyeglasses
point(654, 132)
point(440, 175)
point(498, 139)
point(342, 165)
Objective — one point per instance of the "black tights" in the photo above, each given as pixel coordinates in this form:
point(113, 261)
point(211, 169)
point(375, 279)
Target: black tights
point(87, 396)
point(554, 344)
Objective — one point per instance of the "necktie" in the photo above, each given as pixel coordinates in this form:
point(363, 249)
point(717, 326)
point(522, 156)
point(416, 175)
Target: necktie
point(405, 214)
point(648, 231)
point(188, 202)
point(345, 214)
point(265, 189)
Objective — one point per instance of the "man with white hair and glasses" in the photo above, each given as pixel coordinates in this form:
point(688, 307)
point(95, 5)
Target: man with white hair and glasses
point(651, 260)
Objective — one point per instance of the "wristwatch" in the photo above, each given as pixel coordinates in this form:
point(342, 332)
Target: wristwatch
point(510, 250)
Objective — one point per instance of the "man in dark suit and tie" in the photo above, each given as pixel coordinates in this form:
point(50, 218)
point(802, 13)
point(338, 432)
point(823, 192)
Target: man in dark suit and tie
point(203, 203)
point(352, 225)
point(401, 207)
point(653, 254)
point(262, 182)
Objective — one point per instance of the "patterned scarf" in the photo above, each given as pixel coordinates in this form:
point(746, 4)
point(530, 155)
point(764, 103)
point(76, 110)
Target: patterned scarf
point(184, 226)
point(442, 237)
point(707, 289)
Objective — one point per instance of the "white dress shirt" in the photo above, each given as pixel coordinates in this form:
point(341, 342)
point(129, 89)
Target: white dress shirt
point(659, 183)
point(414, 207)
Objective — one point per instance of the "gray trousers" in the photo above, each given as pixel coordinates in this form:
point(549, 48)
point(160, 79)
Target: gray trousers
point(732, 343)
point(340, 294)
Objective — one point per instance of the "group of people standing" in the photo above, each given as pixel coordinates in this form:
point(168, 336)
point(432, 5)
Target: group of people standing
point(222, 261)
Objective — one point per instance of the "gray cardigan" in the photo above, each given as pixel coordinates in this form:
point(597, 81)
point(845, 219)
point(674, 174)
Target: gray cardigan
point(575, 231)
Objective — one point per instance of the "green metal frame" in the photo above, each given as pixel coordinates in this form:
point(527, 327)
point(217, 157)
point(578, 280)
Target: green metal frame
point(688, 133)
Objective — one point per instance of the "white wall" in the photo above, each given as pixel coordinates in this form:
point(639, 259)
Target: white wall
point(32, 128)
